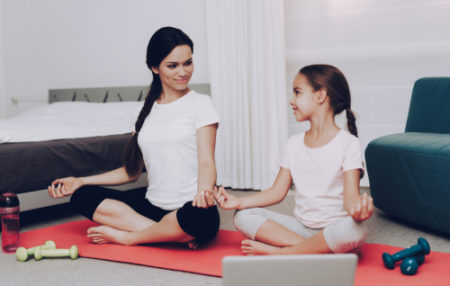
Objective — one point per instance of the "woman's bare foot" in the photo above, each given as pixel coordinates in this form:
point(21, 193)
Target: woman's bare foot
point(105, 234)
point(252, 247)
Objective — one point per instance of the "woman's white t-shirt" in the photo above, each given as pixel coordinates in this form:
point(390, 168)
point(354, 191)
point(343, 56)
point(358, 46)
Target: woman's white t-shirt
point(168, 143)
point(318, 176)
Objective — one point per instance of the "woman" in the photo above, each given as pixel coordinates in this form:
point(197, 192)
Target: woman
point(174, 138)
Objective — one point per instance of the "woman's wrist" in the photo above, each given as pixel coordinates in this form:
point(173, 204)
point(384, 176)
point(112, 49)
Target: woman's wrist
point(204, 188)
point(82, 181)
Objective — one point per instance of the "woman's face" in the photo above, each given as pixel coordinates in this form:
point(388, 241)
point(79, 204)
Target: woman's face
point(303, 99)
point(176, 69)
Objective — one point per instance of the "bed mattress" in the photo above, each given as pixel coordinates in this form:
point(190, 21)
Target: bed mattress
point(29, 166)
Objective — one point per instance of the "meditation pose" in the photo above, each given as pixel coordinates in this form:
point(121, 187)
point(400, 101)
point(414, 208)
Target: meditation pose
point(325, 164)
point(174, 139)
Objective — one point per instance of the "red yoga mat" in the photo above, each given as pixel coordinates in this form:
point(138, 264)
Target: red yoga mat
point(208, 259)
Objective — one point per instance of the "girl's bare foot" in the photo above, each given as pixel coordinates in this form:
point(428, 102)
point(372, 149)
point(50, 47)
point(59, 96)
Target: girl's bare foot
point(193, 244)
point(252, 247)
point(105, 234)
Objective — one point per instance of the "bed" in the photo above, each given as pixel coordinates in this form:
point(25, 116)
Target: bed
point(80, 132)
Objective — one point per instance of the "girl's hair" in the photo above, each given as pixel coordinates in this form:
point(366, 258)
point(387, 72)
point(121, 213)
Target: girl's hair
point(333, 80)
point(160, 45)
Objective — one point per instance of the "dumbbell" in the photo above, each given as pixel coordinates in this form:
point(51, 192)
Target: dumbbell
point(40, 253)
point(22, 254)
point(421, 248)
point(410, 265)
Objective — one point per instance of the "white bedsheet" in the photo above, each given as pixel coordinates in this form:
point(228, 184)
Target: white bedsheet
point(64, 120)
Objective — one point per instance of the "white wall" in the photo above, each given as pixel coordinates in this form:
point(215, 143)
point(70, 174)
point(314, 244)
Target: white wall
point(382, 46)
point(88, 43)
point(2, 66)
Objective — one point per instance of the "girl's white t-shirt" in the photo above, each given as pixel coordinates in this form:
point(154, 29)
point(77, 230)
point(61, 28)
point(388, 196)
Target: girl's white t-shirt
point(168, 142)
point(318, 176)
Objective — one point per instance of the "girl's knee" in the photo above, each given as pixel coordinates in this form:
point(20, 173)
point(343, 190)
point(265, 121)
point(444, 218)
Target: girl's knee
point(346, 236)
point(203, 224)
point(240, 218)
point(248, 221)
point(360, 234)
point(358, 231)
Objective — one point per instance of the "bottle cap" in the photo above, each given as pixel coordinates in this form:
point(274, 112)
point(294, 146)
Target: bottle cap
point(9, 200)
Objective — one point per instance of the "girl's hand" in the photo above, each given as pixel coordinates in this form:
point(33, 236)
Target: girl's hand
point(203, 199)
point(363, 209)
point(225, 200)
point(64, 187)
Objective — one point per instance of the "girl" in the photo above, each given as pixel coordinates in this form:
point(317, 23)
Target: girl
point(325, 164)
point(174, 138)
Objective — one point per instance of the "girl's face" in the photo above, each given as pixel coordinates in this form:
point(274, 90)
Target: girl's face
point(303, 101)
point(176, 69)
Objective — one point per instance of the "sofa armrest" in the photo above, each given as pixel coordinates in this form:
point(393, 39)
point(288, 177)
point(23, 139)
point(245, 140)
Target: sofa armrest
point(409, 177)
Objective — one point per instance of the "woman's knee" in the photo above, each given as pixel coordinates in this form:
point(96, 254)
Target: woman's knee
point(203, 224)
point(86, 199)
point(110, 208)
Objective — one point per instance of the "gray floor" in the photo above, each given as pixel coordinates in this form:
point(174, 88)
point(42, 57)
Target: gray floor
point(83, 271)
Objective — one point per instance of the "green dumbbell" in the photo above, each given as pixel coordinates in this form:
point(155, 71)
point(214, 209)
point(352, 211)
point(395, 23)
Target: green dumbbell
point(22, 254)
point(40, 253)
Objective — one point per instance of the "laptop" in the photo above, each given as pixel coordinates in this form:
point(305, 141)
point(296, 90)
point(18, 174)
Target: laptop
point(286, 270)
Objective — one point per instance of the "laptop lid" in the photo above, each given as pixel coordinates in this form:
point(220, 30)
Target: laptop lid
point(285, 270)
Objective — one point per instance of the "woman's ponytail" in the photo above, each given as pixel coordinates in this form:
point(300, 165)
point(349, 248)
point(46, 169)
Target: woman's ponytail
point(133, 161)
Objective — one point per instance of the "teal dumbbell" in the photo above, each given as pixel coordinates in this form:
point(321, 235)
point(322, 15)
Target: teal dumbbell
point(40, 253)
point(421, 248)
point(22, 253)
point(409, 266)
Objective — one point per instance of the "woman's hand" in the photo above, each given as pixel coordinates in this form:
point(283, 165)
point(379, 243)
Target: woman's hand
point(225, 200)
point(203, 199)
point(64, 187)
point(362, 209)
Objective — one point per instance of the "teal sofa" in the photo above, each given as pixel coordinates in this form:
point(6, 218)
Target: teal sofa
point(409, 173)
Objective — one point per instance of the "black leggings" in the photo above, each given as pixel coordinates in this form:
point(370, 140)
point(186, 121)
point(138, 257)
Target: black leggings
point(203, 224)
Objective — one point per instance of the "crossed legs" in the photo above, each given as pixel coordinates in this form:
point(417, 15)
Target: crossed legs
point(268, 240)
point(121, 224)
point(273, 233)
point(127, 217)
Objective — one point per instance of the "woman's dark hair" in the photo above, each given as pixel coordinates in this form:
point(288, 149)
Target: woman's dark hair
point(333, 80)
point(160, 45)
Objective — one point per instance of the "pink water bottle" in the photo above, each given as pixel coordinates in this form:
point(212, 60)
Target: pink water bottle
point(9, 212)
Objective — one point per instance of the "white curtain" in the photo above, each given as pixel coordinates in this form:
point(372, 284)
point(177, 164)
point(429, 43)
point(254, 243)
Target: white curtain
point(248, 86)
